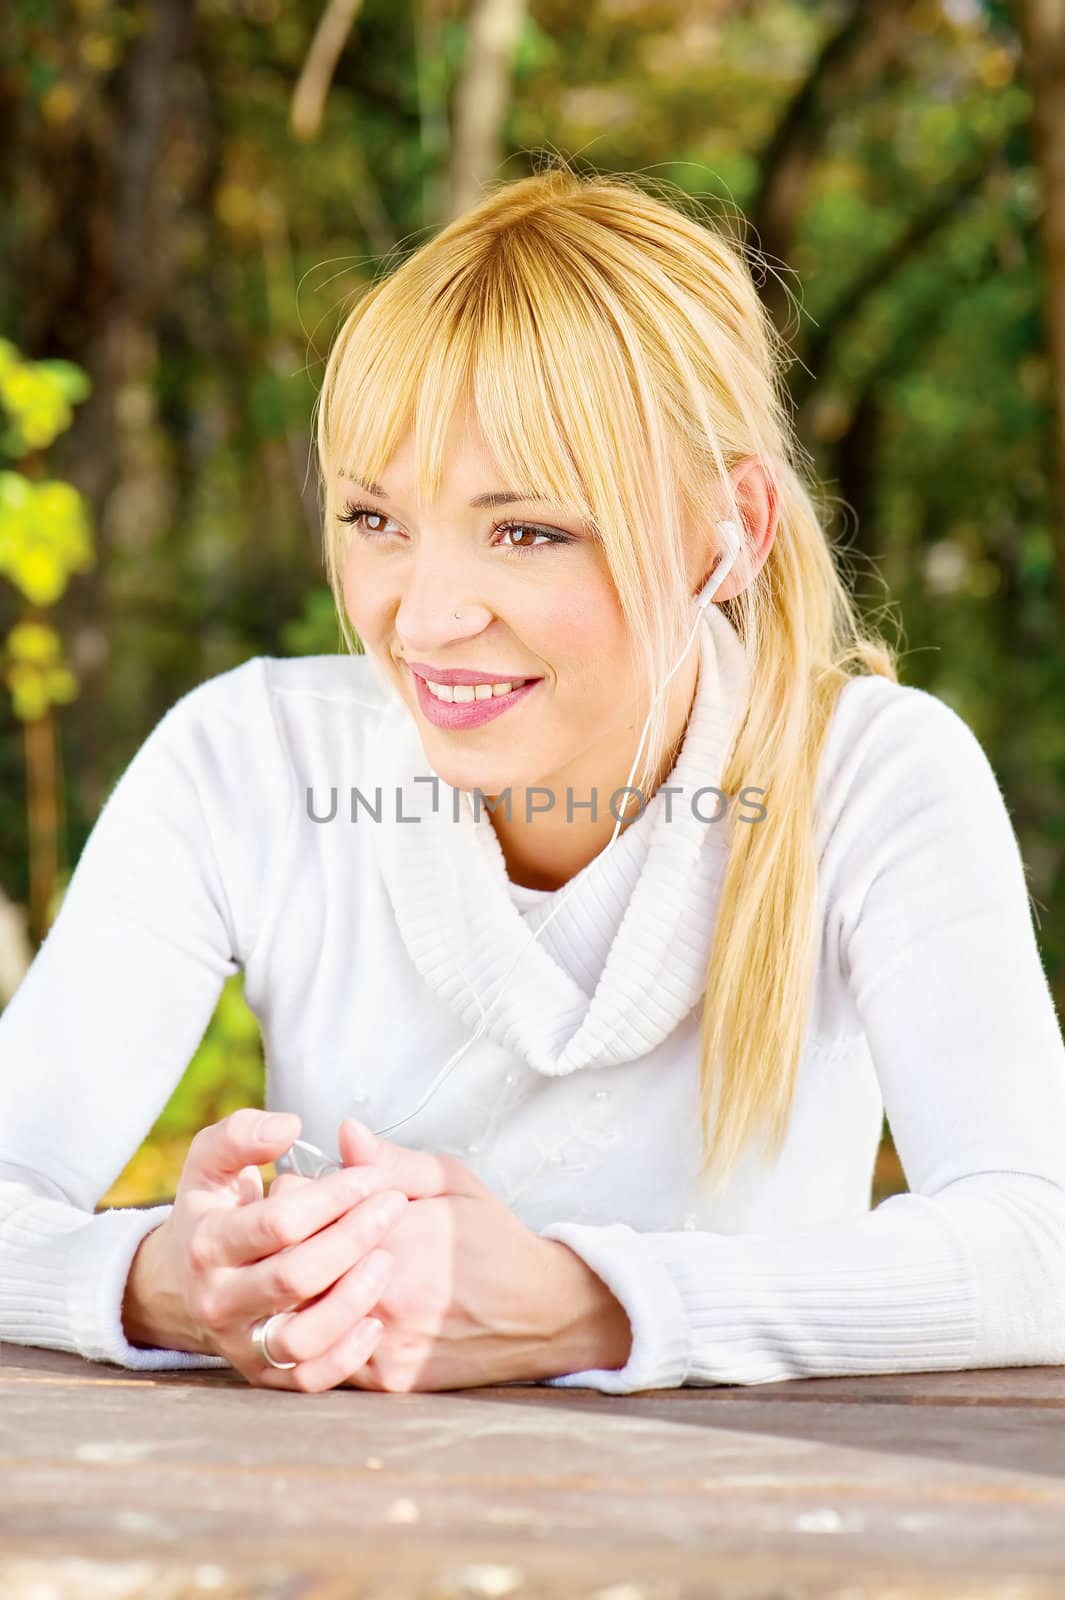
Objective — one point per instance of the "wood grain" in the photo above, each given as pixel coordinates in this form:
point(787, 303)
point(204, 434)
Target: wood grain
point(120, 1483)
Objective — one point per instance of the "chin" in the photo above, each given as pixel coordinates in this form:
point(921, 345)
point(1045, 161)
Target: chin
point(470, 772)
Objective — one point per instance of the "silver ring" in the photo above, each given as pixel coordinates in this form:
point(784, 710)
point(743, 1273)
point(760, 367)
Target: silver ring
point(259, 1335)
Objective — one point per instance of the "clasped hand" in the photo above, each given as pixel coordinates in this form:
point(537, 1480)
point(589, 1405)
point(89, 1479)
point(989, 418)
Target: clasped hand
point(461, 1289)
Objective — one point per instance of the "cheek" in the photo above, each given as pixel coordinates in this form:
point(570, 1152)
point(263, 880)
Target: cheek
point(357, 588)
point(588, 639)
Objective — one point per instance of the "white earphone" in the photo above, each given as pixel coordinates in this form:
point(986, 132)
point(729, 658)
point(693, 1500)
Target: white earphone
point(730, 538)
point(306, 1158)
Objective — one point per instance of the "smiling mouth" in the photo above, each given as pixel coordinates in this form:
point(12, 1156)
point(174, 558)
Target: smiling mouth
point(464, 693)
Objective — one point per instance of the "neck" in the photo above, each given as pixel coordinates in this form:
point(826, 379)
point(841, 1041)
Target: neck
point(543, 849)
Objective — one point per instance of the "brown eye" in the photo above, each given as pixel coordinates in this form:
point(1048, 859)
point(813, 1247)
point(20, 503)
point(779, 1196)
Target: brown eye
point(528, 535)
point(355, 516)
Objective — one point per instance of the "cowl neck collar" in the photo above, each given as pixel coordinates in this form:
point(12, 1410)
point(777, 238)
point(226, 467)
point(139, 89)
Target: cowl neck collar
point(631, 937)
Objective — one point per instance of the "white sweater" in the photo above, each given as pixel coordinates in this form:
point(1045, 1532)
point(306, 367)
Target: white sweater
point(365, 946)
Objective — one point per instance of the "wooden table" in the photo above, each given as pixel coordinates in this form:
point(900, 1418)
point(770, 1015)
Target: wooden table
point(179, 1486)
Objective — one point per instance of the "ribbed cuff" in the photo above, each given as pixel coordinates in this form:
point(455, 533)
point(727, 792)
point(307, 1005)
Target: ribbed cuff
point(101, 1255)
point(63, 1280)
point(890, 1291)
point(661, 1340)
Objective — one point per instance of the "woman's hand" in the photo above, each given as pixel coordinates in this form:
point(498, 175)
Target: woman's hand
point(473, 1295)
point(227, 1257)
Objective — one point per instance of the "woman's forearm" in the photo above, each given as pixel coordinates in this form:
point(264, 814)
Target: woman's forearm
point(153, 1314)
point(590, 1327)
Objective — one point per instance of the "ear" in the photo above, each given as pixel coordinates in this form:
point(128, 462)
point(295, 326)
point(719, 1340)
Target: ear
point(755, 490)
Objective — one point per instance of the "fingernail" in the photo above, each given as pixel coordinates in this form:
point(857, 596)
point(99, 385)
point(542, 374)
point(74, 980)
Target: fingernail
point(367, 1133)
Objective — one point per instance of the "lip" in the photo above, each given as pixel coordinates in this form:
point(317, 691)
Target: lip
point(421, 669)
point(471, 713)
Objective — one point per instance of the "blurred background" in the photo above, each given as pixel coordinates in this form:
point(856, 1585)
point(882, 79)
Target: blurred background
point(190, 192)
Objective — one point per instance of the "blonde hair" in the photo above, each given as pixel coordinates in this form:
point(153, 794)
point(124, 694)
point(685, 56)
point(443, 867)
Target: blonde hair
point(634, 335)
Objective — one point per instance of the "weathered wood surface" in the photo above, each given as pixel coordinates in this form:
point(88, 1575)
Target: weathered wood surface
point(178, 1485)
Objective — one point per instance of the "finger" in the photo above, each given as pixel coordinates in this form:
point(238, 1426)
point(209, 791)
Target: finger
point(348, 1357)
point(260, 1230)
point(248, 1185)
point(421, 1174)
point(286, 1181)
point(219, 1153)
point(308, 1334)
point(361, 1145)
point(290, 1278)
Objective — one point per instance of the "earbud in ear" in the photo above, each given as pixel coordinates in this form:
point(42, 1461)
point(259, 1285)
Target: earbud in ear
point(730, 538)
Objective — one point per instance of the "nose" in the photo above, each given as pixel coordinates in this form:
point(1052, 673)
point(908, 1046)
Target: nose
point(432, 631)
point(426, 618)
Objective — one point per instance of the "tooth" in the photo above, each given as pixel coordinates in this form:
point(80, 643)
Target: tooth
point(465, 692)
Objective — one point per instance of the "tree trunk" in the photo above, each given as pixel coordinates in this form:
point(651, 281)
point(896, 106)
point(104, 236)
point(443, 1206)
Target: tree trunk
point(481, 99)
point(1042, 28)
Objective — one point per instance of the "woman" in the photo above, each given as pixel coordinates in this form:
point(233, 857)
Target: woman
point(672, 1012)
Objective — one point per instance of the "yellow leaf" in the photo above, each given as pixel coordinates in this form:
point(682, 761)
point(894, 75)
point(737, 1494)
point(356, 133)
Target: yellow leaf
point(39, 576)
point(34, 642)
point(62, 686)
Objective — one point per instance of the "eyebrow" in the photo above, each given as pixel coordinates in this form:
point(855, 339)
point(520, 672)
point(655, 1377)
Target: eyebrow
point(494, 497)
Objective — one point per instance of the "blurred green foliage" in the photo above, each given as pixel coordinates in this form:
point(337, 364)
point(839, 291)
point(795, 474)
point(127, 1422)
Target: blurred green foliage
point(316, 631)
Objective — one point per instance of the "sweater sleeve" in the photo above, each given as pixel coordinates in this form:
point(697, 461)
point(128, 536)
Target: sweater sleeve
point(160, 909)
point(928, 906)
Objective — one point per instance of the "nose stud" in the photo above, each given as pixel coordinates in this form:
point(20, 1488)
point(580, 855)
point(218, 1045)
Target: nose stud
point(457, 615)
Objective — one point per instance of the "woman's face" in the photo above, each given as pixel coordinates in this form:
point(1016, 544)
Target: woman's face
point(537, 608)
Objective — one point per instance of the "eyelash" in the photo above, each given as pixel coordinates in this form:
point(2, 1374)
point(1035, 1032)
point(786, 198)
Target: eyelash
point(352, 513)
